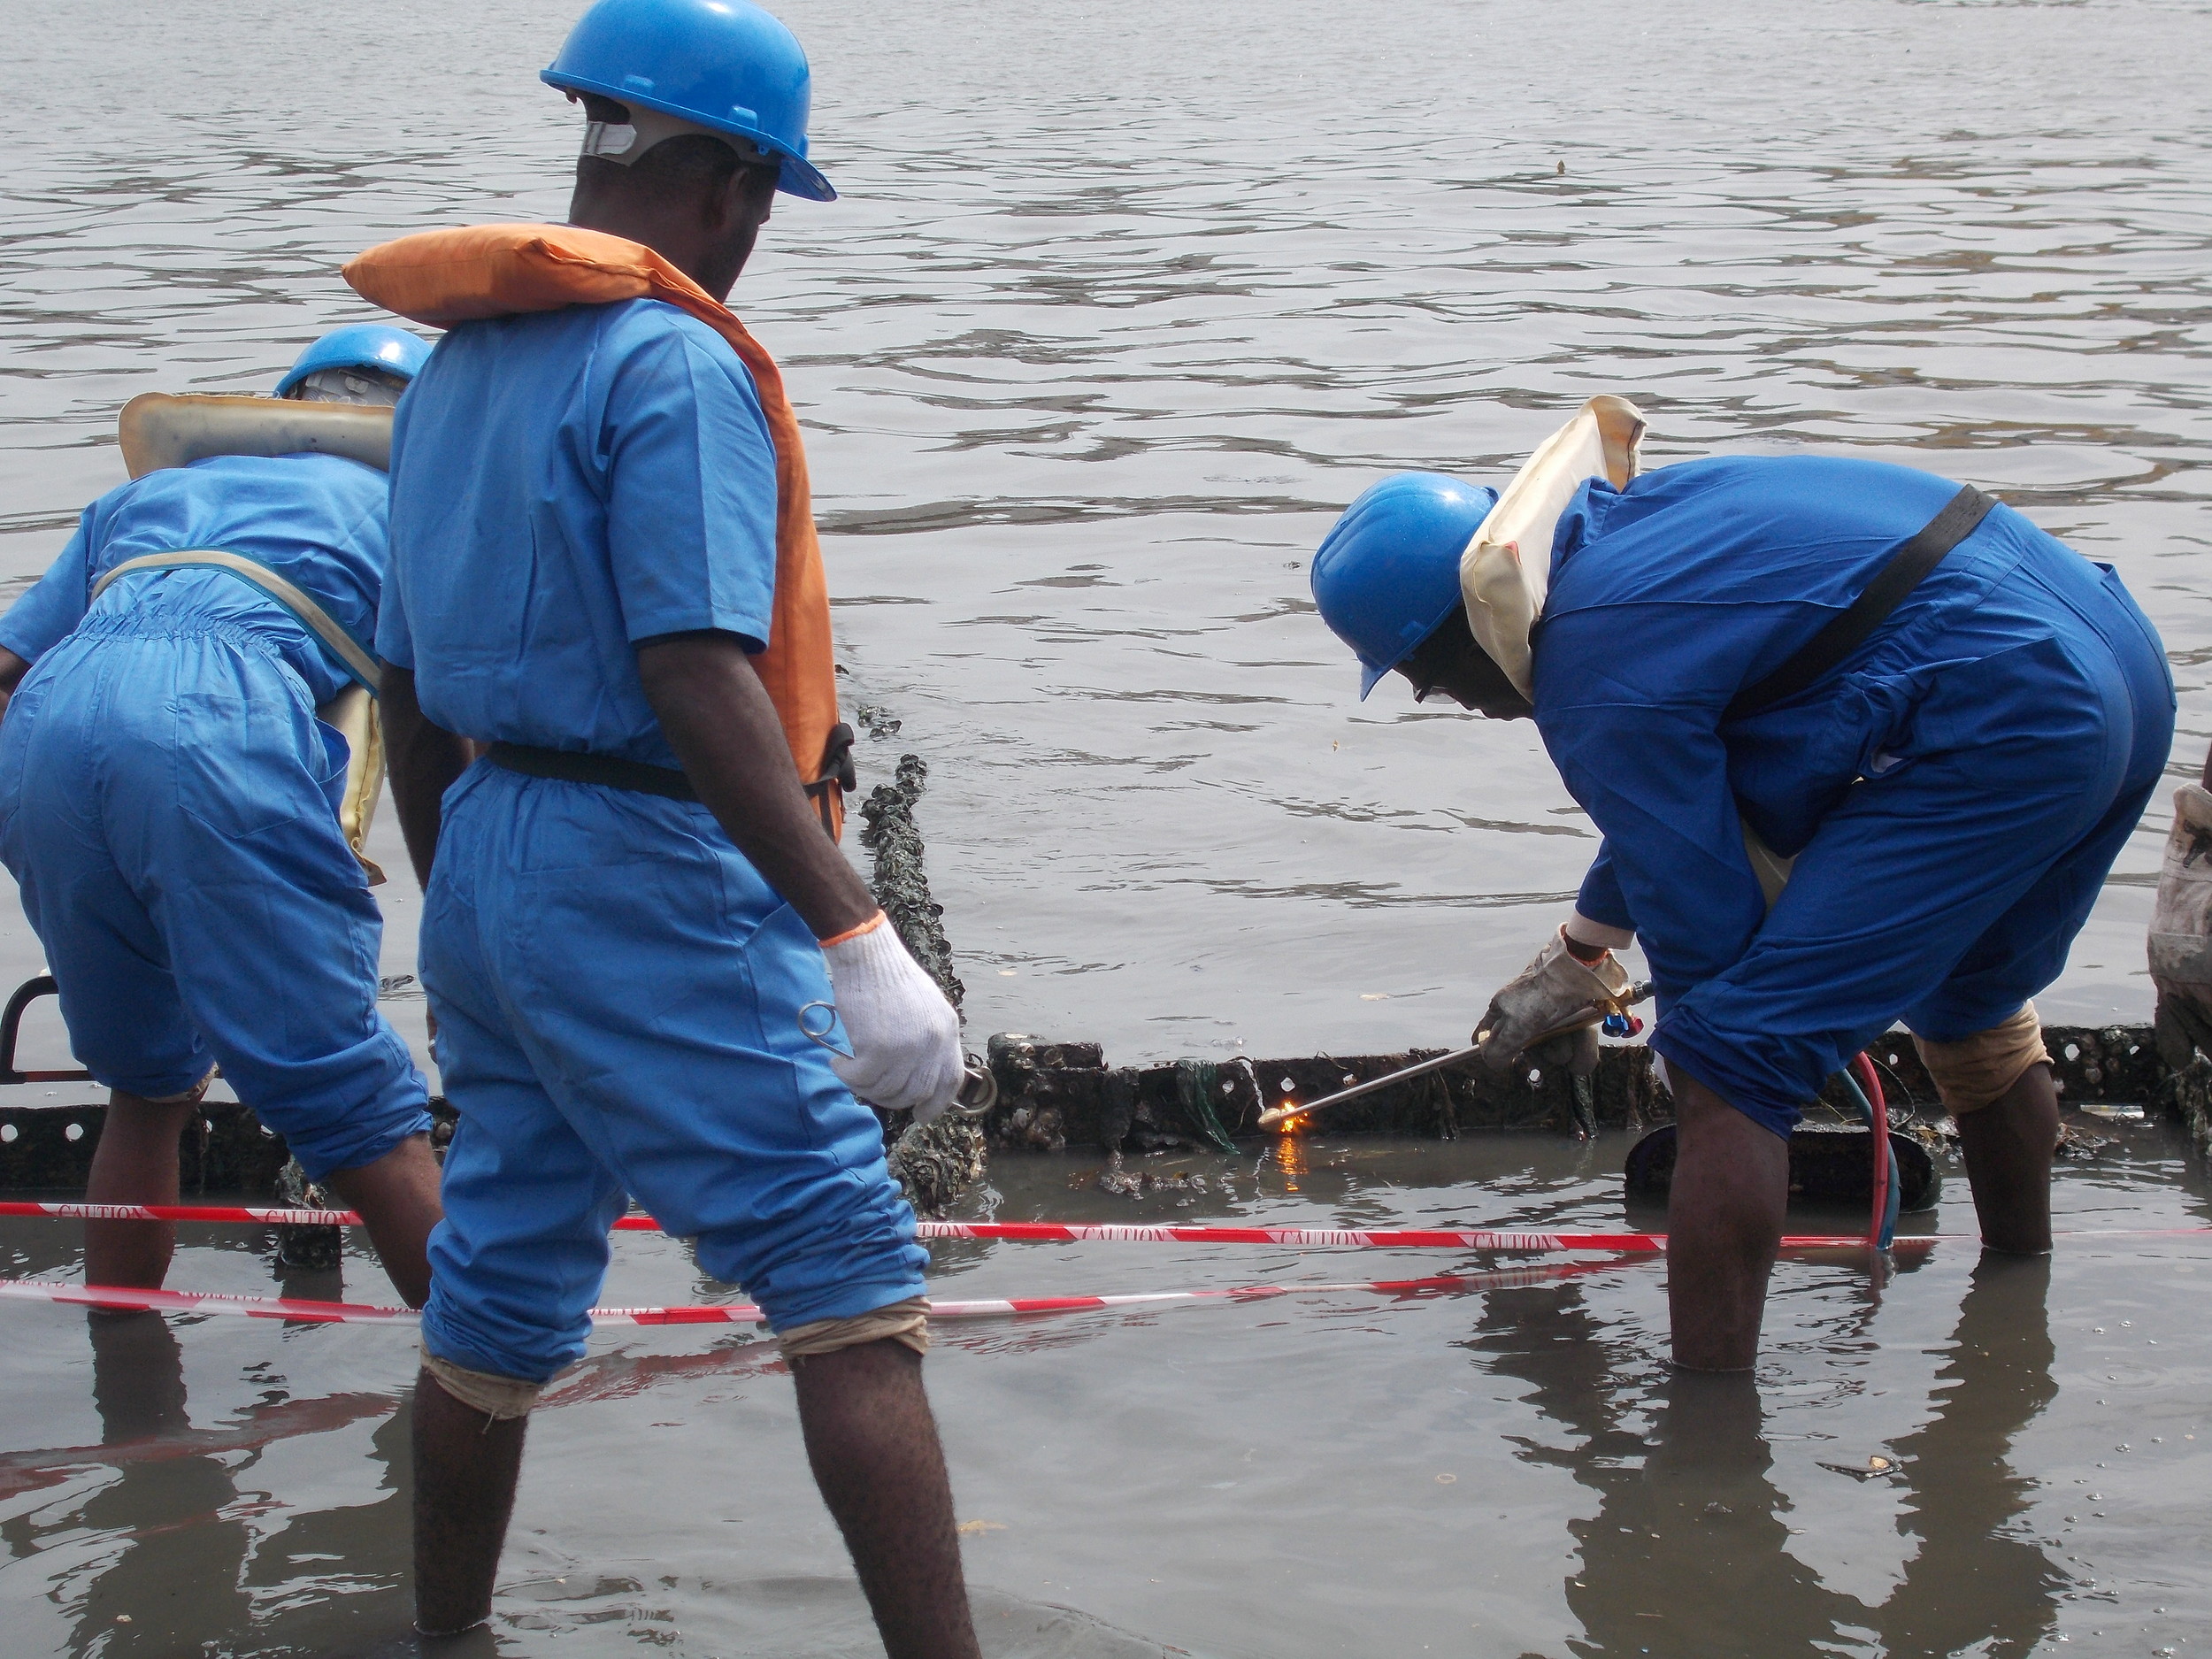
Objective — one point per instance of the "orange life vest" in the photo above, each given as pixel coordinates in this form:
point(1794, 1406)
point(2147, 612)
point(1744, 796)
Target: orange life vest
point(444, 277)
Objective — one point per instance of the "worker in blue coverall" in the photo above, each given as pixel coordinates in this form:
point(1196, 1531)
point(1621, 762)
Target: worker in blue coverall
point(168, 809)
point(631, 902)
point(1952, 790)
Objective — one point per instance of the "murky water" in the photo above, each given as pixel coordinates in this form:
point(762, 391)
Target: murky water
point(1122, 304)
point(1491, 1475)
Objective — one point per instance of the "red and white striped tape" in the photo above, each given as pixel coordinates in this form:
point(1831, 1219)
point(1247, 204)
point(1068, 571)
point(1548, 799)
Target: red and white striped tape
point(1358, 1238)
point(1033, 1232)
point(1119, 1233)
point(744, 1313)
point(271, 1217)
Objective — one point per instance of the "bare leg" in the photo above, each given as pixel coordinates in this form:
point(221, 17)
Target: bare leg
point(467, 1465)
point(1725, 1210)
point(2009, 1146)
point(873, 1445)
point(398, 1196)
point(135, 1163)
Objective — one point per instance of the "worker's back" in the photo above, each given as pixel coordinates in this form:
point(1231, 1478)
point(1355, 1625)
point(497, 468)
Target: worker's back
point(1670, 596)
point(1708, 575)
point(565, 484)
point(316, 520)
point(168, 803)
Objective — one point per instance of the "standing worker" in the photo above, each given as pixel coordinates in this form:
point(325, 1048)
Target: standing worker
point(606, 569)
point(1948, 719)
point(169, 807)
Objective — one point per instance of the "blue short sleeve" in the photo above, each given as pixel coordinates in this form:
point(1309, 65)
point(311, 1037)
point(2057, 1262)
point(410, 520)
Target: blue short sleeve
point(56, 603)
point(691, 511)
point(395, 640)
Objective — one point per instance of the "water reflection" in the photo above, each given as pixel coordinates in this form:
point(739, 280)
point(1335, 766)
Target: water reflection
point(1690, 1552)
point(167, 1511)
point(1972, 1581)
point(190, 1555)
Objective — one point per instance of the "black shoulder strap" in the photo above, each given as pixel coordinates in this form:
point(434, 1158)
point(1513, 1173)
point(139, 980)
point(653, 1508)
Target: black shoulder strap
point(1847, 631)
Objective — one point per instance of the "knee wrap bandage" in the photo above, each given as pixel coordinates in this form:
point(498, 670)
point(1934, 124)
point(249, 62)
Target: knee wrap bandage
point(906, 1322)
point(496, 1396)
point(1974, 1071)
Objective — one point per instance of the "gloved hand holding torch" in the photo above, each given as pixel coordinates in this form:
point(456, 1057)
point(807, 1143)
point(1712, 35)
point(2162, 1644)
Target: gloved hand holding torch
point(1557, 992)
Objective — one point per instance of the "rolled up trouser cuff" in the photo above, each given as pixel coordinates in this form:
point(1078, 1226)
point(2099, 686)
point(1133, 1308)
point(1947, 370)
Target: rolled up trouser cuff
point(906, 1322)
point(501, 1398)
point(1976, 1071)
point(183, 1097)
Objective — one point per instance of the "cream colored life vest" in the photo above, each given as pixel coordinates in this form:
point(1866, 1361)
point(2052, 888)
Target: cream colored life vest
point(1504, 591)
point(156, 430)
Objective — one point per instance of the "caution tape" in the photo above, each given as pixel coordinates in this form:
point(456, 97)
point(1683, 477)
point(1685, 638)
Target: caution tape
point(1031, 1231)
point(204, 1302)
point(1119, 1233)
point(274, 1218)
point(117, 1297)
point(1357, 1238)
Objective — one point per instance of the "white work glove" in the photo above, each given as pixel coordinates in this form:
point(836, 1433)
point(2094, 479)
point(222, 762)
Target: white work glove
point(1554, 994)
point(905, 1035)
point(2181, 931)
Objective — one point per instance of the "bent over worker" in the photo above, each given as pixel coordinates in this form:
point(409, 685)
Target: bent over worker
point(606, 569)
point(1949, 721)
point(169, 809)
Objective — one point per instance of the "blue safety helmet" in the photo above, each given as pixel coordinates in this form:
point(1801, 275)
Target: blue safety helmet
point(359, 346)
point(719, 64)
point(1388, 572)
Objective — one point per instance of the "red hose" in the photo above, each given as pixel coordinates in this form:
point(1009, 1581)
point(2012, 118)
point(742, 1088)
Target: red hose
point(1879, 1129)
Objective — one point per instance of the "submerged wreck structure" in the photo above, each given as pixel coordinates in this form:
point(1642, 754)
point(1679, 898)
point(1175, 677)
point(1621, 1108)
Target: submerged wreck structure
point(1059, 1096)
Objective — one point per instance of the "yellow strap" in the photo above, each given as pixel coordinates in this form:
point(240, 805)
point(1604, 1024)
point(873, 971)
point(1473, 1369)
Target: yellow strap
point(342, 645)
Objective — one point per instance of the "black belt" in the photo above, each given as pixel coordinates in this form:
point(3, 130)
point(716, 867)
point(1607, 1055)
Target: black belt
point(1846, 631)
point(580, 766)
point(576, 767)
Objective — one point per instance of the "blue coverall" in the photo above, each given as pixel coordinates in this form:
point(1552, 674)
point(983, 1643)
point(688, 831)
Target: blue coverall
point(168, 804)
point(1954, 794)
point(618, 989)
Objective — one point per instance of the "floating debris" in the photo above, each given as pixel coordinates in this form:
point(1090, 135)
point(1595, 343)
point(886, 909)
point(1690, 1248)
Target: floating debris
point(1873, 1469)
point(307, 1246)
point(2078, 1143)
point(1125, 1183)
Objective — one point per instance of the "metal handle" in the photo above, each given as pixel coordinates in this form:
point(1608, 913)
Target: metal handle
point(11, 1020)
point(978, 1091)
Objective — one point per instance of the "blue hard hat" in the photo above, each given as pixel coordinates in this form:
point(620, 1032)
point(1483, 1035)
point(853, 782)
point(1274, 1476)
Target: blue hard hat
point(1388, 572)
point(359, 346)
point(719, 64)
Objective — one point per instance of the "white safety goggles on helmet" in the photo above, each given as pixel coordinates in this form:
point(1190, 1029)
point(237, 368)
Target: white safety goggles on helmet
point(622, 143)
point(368, 386)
